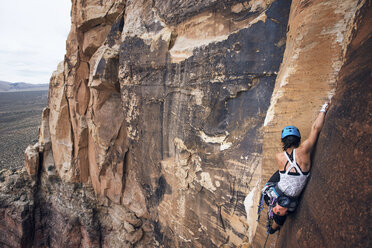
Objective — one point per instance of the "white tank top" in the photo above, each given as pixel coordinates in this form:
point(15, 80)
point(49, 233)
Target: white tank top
point(292, 185)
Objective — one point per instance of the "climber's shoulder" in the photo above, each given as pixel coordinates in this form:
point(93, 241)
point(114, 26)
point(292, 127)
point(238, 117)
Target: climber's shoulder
point(305, 147)
point(280, 160)
point(303, 157)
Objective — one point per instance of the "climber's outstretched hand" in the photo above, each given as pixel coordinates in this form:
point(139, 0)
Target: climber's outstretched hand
point(325, 107)
point(308, 145)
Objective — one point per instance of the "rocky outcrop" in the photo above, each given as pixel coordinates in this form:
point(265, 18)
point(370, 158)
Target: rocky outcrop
point(161, 119)
point(334, 210)
point(16, 209)
point(32, 161)
point(133, 114)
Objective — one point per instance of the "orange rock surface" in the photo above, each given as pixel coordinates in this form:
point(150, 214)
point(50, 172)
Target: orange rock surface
point(165, 115)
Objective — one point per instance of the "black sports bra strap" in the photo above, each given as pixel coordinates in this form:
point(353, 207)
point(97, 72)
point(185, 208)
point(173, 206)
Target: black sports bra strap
point(290, 155)
point(285, 166)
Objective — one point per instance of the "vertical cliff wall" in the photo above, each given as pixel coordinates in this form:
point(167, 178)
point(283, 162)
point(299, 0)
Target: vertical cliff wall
point(158, 107)
point(335, 208)
point(196, 91)
point(318, 34)
point(164, 115)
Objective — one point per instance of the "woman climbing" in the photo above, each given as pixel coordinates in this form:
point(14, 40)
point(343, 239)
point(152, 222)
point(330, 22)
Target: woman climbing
point(281, 192)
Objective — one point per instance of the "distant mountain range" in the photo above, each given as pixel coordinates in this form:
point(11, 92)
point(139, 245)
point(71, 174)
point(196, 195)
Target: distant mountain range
point(21, 86)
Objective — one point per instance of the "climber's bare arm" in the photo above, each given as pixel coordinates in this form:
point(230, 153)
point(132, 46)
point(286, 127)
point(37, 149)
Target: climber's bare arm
point(308, 145)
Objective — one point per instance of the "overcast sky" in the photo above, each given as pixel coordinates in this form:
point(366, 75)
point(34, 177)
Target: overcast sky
point(33, 38)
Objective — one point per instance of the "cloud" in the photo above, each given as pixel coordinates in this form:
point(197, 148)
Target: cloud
point(33, 38)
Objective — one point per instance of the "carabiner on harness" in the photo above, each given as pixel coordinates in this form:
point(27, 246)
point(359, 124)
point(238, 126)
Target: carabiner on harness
point(261, 206)
point(270, 215)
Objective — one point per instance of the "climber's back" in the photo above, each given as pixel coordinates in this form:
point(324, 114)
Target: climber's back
point(291, 140)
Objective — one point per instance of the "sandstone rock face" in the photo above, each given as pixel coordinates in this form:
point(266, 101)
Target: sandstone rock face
point(318, 33)
point(335, 211)
point(195, 95)
point(165, 114)
point(149, 114)
point(60, 126)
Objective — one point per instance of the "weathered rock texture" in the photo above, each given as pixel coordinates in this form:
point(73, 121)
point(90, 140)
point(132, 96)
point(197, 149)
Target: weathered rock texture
point(159, 107)
point(16, 209)
point(165, 115)
point(319, 32)
point(32, 160)
point(335, 208)
point(196, 96)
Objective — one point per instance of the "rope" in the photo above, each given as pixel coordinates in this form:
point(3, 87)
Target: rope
point(260, 207)
point(267, 237)
point(270, 214)
point(270, 217)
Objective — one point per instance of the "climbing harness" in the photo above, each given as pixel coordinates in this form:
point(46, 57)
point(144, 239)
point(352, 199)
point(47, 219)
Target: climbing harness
point(267, 191)
point(270, 216)
point(260, 207)
point(271, 206)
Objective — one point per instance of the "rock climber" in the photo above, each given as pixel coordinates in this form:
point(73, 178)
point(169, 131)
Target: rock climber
point(282, 190)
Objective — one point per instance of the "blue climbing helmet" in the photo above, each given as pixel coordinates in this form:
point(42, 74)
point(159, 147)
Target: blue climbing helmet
point(290, 130)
